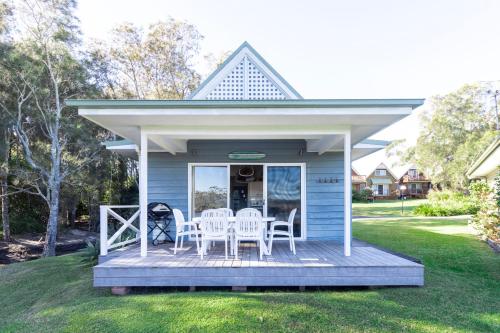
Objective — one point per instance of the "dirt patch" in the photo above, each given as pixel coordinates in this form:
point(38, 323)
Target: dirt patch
point(30, 246)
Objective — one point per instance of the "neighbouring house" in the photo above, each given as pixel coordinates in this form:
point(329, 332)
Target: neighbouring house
point(358, 181)
point(382, 182)
point(416, 182)
point(485, 167)
point(247, 138)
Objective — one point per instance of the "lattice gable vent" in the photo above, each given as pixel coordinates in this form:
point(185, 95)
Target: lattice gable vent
point(245, 76)
point(246, 81)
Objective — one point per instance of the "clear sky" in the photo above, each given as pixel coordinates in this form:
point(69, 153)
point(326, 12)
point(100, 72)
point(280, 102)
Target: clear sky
point(339, 48)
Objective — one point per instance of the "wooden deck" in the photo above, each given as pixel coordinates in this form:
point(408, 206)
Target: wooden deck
point(317, 263)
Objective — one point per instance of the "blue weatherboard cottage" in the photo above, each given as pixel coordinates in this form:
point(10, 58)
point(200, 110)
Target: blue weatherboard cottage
point(245, 138)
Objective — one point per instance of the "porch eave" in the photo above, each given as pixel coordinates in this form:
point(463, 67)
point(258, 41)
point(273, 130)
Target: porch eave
point(223, 104)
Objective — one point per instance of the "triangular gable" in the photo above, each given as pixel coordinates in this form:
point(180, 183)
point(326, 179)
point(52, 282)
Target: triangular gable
point(413, 166)
point(383, 166)
point(245, 75)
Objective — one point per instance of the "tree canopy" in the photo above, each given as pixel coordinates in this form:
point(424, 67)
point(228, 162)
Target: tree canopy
point(47, 151)
point(455, 128)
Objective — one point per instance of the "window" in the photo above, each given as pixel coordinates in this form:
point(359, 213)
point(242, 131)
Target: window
point(380, 172)
point(413, 173)
point(210, 188)
point(380, 190)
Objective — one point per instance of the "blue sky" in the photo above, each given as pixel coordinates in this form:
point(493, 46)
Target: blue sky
point(339, 49)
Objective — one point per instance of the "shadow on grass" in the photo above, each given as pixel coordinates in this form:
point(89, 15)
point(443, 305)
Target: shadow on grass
point(462, 293)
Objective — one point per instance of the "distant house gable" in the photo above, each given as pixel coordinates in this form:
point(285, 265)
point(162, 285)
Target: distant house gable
point(414, 174)
point(388, 172)
point(382, 181)
point(245, 75)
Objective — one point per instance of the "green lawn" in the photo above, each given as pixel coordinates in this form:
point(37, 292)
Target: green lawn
point(385, 207)
point(462, 293)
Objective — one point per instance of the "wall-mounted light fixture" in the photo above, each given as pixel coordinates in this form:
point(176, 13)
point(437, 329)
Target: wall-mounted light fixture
point(246, 155)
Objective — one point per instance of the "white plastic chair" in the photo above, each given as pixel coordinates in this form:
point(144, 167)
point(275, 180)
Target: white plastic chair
point(228, 211)
point(180, 230)
point(287, 233)
point(248, 227)
point(214, 227)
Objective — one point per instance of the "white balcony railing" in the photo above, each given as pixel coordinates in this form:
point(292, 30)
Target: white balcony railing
point(110, 243)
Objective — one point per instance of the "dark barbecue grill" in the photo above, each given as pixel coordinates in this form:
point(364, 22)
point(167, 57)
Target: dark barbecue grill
point(160, 216)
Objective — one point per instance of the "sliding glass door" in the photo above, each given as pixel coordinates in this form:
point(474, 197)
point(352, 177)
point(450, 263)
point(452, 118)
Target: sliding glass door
point(284, 193)
point(274, 189)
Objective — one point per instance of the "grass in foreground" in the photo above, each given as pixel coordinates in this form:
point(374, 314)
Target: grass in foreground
point(462, 293)
point(389, 208)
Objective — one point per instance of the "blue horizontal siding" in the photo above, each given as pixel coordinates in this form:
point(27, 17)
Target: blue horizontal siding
point(168, 178)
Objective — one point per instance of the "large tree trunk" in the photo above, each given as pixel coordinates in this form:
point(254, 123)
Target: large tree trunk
point(4, 171)
point(5, 209)
point(49, 248)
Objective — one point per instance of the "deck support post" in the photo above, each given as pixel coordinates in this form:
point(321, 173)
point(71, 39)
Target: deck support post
point(103, 222)
point(143, 193)
point(347, 194)
point(239, 288)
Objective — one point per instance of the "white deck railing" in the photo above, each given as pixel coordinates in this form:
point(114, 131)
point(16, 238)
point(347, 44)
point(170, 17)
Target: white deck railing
point(108, 244)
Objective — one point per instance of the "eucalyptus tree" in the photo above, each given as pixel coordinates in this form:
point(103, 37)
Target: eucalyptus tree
point(156, 63)
point(455, 128)
point(5, 122)
point(43, 73)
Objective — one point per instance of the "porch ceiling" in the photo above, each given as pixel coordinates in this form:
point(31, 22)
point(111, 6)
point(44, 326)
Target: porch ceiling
point(320, 122)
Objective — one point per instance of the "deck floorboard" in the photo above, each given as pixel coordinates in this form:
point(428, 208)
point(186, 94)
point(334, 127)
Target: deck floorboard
point(317, 263)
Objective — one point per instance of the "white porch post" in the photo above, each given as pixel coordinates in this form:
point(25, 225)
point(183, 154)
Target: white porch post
point(143, 193)
point(347, 194)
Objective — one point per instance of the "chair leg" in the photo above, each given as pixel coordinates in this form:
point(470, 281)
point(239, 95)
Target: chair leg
point(270, 250)
point(293, 243)
point(260, 248)
point(182, 242)
point(236, 247)
point(202, 249)
point(175, 246)
point(197, 244)
point(225, 247)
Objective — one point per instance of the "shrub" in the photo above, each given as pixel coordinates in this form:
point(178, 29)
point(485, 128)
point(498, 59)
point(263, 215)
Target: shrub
point(90, 253)
point(362, 195)
point(446, 195)
point(487, 219)
point(445, 208)
point(447, 203)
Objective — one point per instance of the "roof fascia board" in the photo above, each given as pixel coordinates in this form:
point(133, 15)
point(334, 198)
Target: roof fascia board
point(225, 104)
point(489, 150)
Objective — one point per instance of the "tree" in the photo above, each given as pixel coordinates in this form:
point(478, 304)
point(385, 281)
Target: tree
point(5, 127)
point(43, 72)
point(455, 128)
point(156, 64)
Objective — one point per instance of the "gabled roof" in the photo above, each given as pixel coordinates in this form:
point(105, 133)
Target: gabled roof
point(383, 166)
point(244, 75)
point(413, 166)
